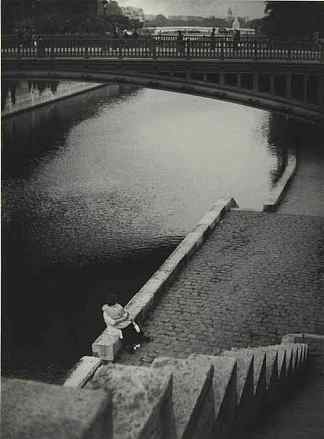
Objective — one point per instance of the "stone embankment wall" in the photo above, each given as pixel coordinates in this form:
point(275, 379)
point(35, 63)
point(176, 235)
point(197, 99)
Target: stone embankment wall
point(72, 89)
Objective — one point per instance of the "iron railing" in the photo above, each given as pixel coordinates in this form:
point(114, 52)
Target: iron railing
point(160, 47)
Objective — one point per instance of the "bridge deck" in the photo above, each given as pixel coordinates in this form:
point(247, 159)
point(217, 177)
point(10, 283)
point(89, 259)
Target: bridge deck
point(175, 59)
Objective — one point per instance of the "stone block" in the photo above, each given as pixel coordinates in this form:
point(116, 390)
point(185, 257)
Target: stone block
point(82, 371)
point(277, 192)
point(259, 379)
point(225, 392)
point(140, 397)
point(191, 242)
point(283, 359)
point(245, 373)
point(32, 410)
point(144, 299)
point(216, 213)
point(193, 399)
point(107, 345)
point(245, 386)
point(291, 351)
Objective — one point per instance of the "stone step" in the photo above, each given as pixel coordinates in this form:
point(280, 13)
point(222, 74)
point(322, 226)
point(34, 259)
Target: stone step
point(192, 397)
point(291, 358)
point(141, 400)
point(275, 368)
point(38, 410)
point(225, 392)
point(245, 385)
point(259, 363)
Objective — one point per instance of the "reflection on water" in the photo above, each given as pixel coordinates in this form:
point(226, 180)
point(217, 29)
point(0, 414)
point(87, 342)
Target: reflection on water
point(97, 191)
point(17, 95)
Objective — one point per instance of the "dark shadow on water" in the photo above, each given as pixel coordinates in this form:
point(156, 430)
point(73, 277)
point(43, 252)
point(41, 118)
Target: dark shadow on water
point(52, 317)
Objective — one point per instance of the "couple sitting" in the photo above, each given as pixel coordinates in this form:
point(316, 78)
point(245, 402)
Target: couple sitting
point(130, 333)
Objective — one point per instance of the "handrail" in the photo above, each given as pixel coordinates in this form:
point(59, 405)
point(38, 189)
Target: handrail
point(160, 47)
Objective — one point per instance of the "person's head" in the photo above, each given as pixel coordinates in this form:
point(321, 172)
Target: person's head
point(112, 299)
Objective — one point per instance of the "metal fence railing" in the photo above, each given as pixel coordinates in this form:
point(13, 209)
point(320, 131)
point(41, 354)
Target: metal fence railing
point(160, 47)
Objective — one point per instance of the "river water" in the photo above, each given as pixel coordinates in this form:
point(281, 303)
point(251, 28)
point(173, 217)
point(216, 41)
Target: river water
point(98, 189)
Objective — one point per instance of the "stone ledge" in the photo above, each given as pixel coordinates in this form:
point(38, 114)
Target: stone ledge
point(140, 399)
point(107, 344)
point(142, 301)
point(37, 410)
point(82, 371)
point(278, 191)
point(225, 392)
point(192, 397)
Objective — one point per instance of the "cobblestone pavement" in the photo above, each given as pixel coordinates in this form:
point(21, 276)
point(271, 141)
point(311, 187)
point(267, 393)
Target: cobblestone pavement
point(256, 278)
point(305, 195)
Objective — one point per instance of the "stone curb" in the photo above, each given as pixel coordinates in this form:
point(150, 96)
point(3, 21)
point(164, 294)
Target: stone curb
point(278, 191)
point(108, 344)
point(144, 299)
point(82, 371)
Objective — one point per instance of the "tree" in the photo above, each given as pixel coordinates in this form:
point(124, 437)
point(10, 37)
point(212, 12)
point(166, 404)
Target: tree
point(112, 8)
point(160, 20)
point(293, 19)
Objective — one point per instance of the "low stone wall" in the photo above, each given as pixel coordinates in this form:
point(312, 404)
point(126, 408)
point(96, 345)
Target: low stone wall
point(278, 191)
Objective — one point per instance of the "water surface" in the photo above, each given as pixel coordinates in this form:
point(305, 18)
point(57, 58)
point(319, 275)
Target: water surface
point(97, 191)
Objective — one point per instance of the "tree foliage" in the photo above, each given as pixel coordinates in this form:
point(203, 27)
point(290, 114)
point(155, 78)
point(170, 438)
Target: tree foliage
point(293, 19)
point(61, 16)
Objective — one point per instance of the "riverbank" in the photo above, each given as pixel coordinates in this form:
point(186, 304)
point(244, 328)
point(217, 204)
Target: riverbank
point(38, 97)
point(305, 194)
point(85, 224)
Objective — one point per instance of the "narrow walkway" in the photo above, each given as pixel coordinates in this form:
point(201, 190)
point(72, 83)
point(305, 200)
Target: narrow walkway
point(305, 195)
point(256, 278)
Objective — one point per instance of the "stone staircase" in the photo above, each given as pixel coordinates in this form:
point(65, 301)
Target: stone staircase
point(211, 396)
point(197, 397)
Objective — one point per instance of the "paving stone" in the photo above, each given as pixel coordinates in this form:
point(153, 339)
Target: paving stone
point(255, 279)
